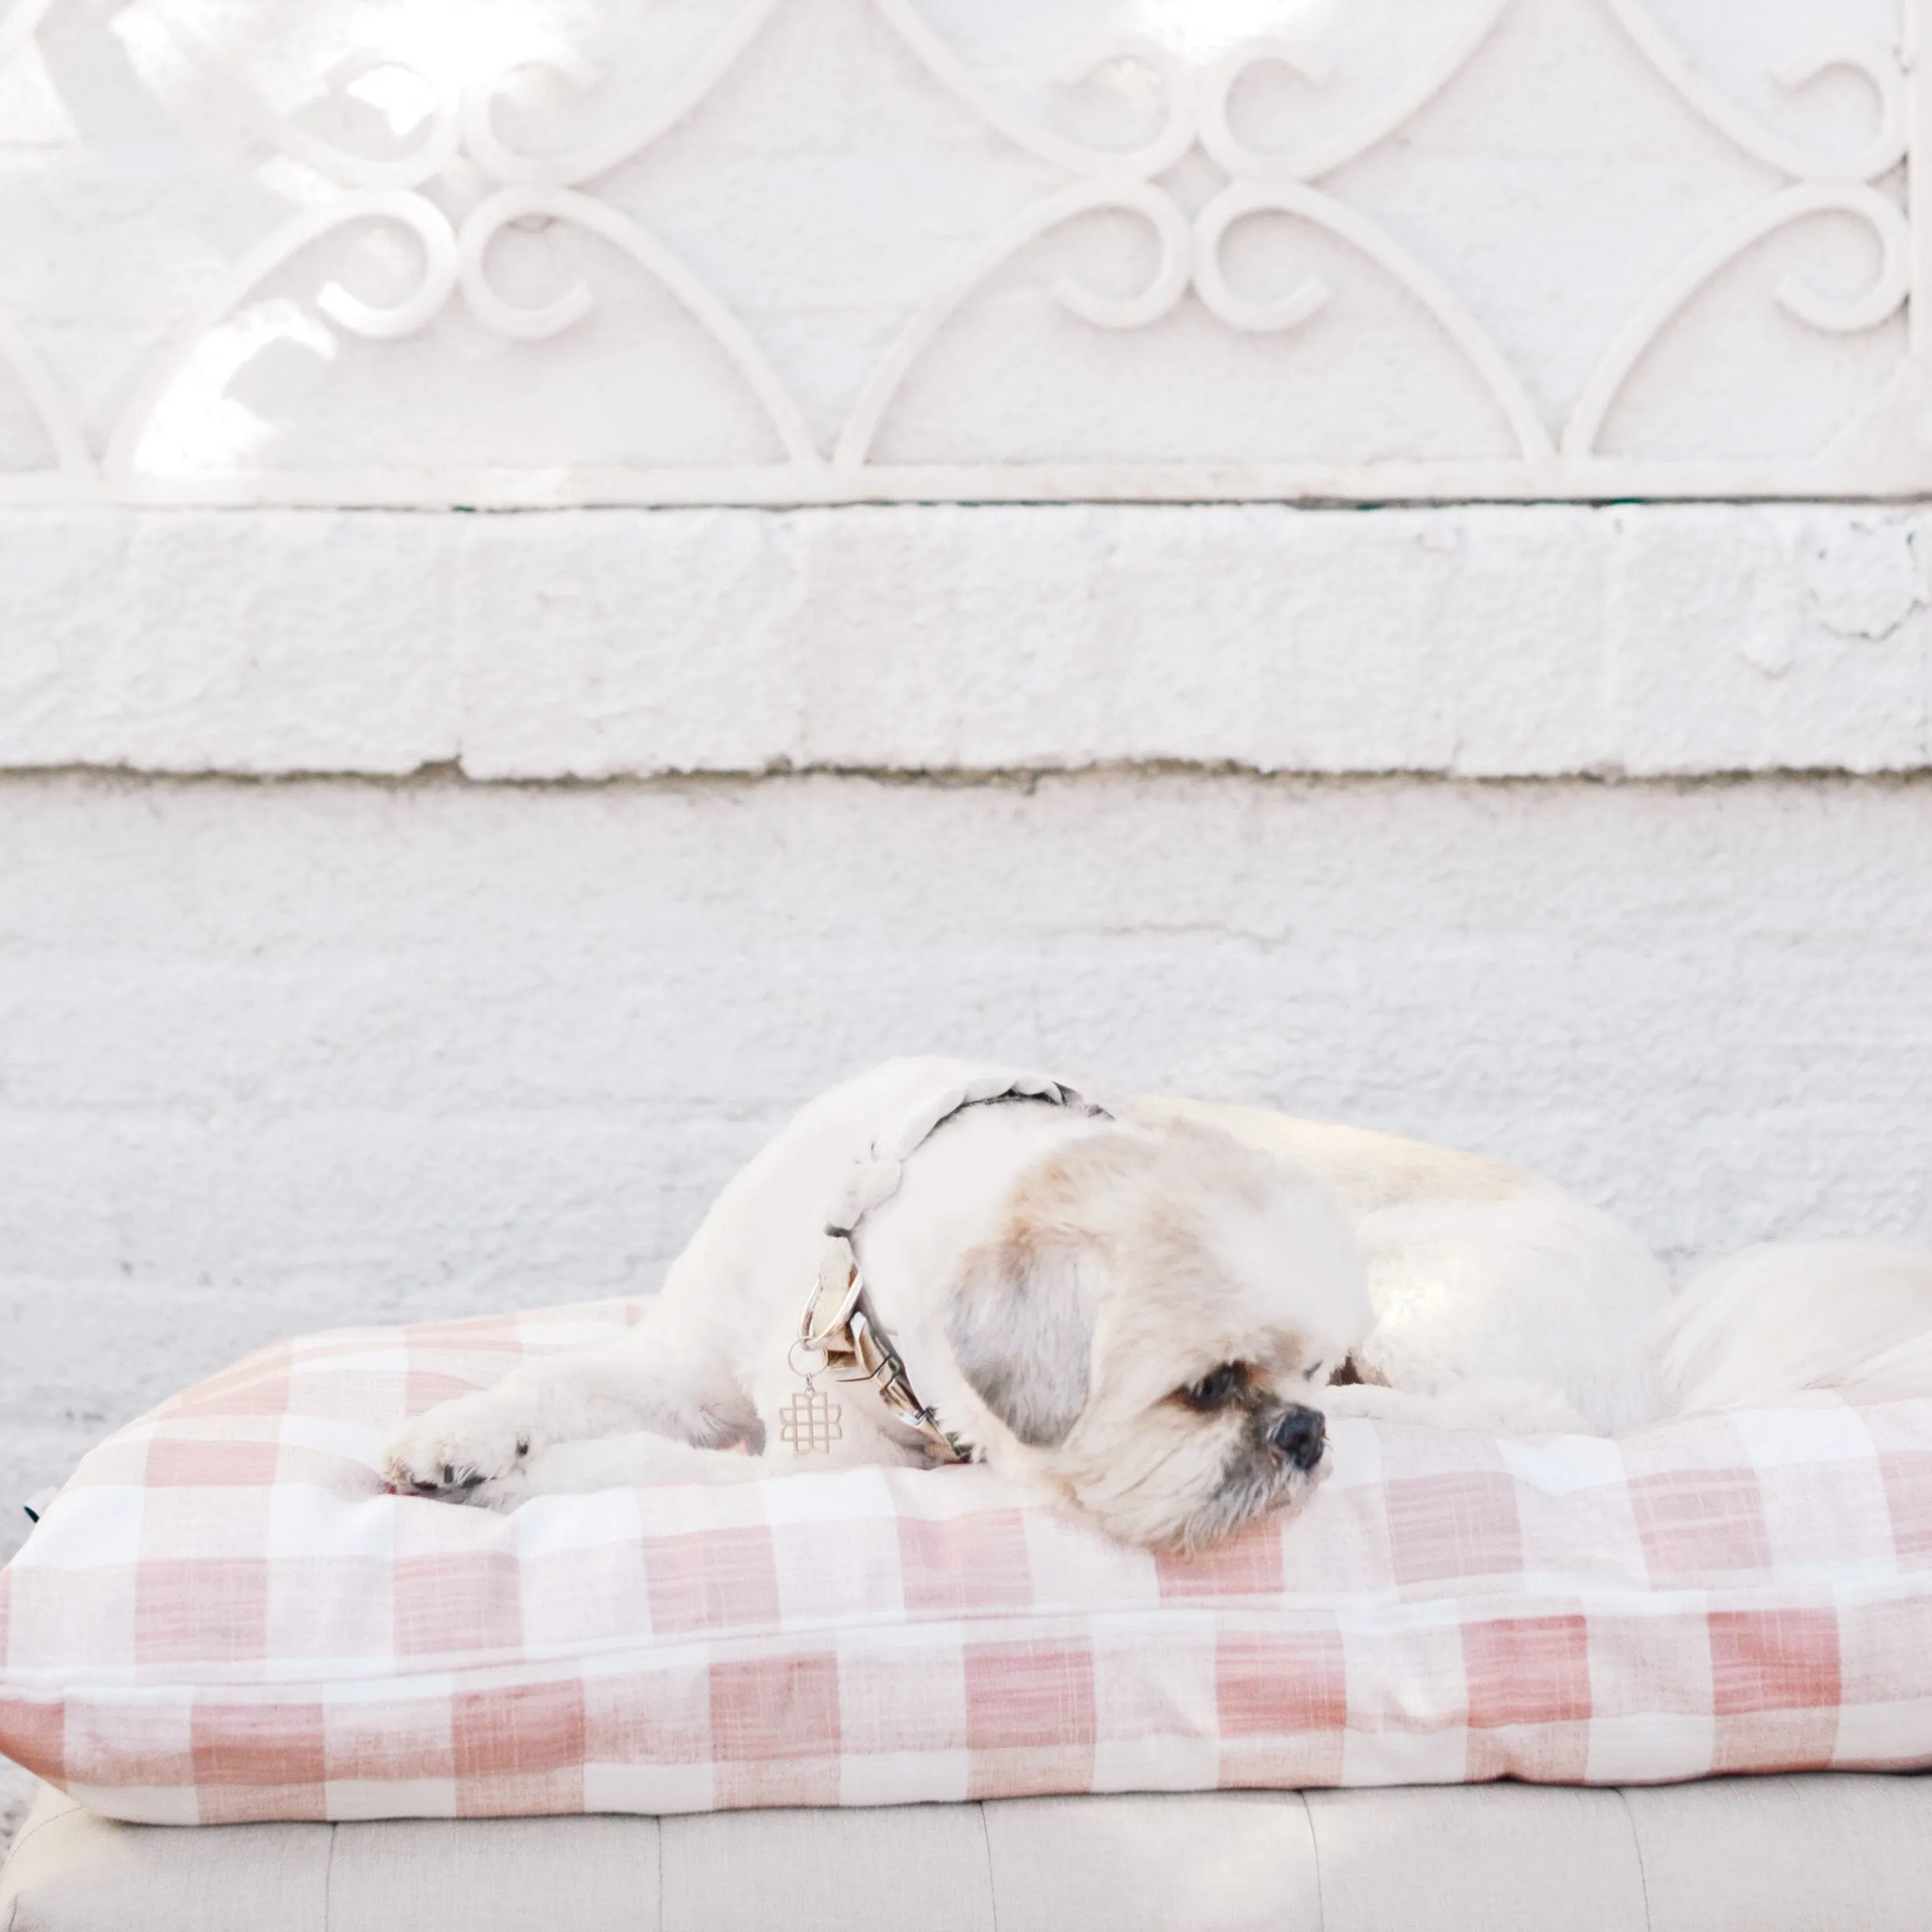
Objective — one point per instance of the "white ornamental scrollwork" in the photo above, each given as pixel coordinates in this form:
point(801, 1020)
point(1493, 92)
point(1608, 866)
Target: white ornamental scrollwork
point(1226, 148)
point(1168, 284)
point(1824, 183)
point(1287, 197)
point(431, 153)
point(389, 189)
point(427, 222)
point(1197, 114)
point(1277, 181)
point(523, 324)
point(1880, 70)
point(73, 463)
point(1833, 314)
point(1175, 137)
point(510, 166)
point(1196, 117)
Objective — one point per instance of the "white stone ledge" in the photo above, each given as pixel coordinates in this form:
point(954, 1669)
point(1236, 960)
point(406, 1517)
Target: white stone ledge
point(1546, 641)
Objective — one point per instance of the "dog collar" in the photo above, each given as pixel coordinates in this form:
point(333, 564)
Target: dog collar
point(837, 1324)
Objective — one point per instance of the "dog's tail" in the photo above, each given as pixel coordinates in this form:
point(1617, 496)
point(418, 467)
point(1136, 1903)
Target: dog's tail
point(1783, 1317)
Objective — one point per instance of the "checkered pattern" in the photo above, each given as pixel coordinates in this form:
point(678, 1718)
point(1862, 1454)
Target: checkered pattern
point(225, 1616)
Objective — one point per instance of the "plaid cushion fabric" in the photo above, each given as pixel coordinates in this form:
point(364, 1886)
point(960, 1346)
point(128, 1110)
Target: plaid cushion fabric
point(224, 1616)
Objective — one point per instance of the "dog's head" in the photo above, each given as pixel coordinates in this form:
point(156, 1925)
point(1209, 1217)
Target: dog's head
point(1148, 1327)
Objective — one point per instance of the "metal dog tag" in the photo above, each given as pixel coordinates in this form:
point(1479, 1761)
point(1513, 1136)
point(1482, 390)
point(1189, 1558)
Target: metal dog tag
point(810, 1422)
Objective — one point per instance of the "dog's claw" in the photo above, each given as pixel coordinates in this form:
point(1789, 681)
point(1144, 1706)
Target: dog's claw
point(450, 1489)
point(457, 1449)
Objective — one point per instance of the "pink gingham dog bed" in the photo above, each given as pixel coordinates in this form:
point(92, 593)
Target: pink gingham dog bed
point(225, 1616)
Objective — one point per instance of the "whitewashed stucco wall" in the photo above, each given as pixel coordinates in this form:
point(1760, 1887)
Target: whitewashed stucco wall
point(408, 909)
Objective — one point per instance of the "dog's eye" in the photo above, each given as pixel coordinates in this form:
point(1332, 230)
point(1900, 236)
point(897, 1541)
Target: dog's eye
point(1217, 1389)
point(1310, 1372)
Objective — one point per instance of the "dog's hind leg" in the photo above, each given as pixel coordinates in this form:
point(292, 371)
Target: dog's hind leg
point(1786, 1316)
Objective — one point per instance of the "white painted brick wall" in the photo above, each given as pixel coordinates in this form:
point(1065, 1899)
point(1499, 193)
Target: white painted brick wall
point(279, 1055)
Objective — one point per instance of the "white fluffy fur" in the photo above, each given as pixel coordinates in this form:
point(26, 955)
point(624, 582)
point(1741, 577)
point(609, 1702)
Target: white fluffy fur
point(1811, 1315)
point(1054, 1281)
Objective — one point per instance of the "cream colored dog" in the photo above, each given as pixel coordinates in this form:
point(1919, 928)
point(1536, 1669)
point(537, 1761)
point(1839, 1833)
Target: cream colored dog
point(1148, 1309)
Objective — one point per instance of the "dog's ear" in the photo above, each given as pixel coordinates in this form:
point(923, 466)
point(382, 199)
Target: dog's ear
point(1021, 1326)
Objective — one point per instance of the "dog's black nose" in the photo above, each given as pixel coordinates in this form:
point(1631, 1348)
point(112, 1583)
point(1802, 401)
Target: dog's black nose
point(1298, 1435)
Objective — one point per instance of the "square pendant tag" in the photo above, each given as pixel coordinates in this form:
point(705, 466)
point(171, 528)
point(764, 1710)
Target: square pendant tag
point(810, 1422)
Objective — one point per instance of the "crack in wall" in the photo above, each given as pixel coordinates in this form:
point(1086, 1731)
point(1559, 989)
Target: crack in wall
point(451, 774)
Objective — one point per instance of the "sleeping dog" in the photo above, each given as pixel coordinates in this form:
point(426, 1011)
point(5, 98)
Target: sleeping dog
point(1149, 1309)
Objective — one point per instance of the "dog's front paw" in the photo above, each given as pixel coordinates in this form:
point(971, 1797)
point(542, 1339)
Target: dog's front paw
point(500, 1493)
point(459, 1452)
